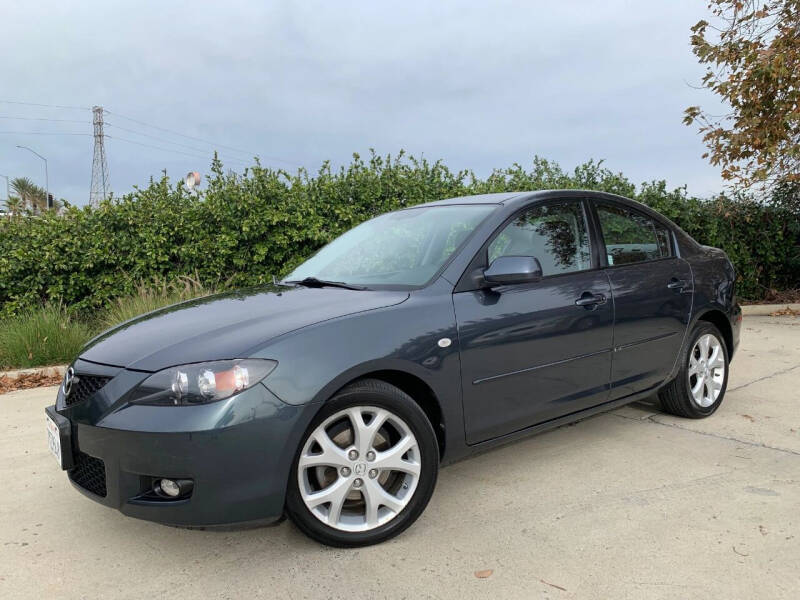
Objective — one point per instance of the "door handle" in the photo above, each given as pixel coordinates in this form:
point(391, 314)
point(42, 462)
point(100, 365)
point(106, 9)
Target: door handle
point(676, 284)
point(590, 299)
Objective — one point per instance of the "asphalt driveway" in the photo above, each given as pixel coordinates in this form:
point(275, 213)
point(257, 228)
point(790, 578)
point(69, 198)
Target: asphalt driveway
point(629, 504)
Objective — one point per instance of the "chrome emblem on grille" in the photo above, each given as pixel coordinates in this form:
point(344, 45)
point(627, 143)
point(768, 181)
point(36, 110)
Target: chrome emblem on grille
point(69, 376)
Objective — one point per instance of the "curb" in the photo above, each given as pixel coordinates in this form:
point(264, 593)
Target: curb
point(48, 371)
point(765, 310)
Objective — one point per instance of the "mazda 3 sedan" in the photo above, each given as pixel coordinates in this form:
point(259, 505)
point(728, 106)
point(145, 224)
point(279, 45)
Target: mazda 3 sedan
point(413, 340)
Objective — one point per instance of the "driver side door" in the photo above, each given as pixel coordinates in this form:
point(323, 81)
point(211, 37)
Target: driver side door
point(536, 351)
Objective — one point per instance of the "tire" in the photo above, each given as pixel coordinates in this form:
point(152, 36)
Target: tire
point(697, 392)
point(344, 500)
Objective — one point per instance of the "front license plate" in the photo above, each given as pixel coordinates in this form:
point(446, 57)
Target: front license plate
point(54, 439)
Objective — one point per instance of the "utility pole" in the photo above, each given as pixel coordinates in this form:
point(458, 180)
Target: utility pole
point(46, 176)
point(100, 187)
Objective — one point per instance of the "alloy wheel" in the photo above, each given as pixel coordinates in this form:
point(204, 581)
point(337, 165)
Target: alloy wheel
point(706, 370)
point(359, 468)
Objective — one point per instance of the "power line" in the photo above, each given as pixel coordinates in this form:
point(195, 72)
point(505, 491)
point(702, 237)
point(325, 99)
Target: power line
point(196, 139)
point(172, 150)
point(147, 135)
point(45, 105)
point(188, 137)
point(43, 133)
point(139, 122)
point(41, 119)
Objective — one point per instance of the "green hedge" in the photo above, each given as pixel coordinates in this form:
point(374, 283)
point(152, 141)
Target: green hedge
point(243, 229)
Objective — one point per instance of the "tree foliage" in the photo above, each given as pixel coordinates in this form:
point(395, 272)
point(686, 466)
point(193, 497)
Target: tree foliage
point(751, 50)
point(30, 196)
point(243, 229)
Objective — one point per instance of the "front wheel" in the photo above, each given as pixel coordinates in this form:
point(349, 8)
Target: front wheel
point(699, 388)
point(366, 467)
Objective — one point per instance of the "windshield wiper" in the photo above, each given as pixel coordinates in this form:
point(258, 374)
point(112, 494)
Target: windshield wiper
point(313, 282)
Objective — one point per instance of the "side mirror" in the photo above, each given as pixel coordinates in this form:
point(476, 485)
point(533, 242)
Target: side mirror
point(508, 270)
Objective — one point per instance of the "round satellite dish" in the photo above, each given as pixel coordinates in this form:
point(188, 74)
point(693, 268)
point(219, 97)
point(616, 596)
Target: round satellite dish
point(192, 179)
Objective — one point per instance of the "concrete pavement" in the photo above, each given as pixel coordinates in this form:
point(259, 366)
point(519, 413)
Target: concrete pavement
point(630, 504)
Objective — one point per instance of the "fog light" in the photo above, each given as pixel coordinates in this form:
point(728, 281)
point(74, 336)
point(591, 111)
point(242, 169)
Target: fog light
point(170, 488)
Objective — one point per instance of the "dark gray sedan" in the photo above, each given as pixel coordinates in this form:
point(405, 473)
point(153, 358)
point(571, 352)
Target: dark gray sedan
point(415, 339)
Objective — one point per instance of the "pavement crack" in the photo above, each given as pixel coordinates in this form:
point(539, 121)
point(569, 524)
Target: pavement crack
point(642, 418)
point(765, 377)
point(652, 419)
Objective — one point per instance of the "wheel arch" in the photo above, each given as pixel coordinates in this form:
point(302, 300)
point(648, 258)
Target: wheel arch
point(720, 320)
point(417, 389)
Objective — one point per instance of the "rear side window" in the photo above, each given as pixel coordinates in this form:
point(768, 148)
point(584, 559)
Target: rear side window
point(630, 236)
point(555, 233)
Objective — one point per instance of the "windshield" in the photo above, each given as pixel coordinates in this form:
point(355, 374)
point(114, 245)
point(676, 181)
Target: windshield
point(405, 248)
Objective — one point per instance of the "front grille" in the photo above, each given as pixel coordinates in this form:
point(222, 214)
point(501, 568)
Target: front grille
point(89, 473)
point(83, 386)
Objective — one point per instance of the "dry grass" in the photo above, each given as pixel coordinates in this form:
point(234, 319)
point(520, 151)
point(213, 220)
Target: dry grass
point(53, 335)
point(150, 297)
point(48, 335)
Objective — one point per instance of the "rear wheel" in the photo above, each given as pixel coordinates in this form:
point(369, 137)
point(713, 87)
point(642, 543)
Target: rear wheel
point(699, 387)
point(366, 468)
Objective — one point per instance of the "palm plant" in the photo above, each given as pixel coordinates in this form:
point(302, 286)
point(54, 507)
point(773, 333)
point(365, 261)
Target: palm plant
point(14, 205)
point(31, 195)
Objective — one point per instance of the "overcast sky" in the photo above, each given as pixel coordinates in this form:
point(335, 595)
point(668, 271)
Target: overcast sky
point(480, 85)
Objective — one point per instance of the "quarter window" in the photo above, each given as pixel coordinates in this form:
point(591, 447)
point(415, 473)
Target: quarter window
point(556, 234)
point(630, 236)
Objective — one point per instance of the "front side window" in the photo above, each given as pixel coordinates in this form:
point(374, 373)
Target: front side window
point(404, 248)
point(556, 234)
point(630, 236)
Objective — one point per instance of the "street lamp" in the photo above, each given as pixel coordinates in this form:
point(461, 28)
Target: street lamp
point(46, 178)
point(8, 190)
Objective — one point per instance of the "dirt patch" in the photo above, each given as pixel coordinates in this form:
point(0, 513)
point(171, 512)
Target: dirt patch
point(24, 382)
point(785, 312)
point(777, 297)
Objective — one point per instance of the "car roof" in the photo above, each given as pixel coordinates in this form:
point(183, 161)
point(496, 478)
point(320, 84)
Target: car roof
point(514, 199)
point(523, 197)
point(476, 199)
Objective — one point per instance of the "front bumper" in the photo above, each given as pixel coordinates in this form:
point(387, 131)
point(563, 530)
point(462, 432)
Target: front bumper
point(238, 453)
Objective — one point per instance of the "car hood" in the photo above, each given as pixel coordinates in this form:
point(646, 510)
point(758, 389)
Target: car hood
point(226, 326)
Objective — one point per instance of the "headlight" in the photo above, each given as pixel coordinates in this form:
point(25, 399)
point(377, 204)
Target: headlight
point(201, 383)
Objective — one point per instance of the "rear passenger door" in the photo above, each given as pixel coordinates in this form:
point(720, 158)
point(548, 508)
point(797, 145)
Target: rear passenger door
point(652, 291)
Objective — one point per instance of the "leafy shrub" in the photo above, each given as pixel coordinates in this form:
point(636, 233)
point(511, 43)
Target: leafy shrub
point(244, 229)
point(46, 335)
